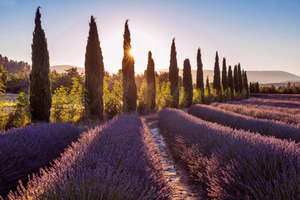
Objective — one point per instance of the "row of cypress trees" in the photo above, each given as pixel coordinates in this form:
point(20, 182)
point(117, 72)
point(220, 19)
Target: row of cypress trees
point(40, 94)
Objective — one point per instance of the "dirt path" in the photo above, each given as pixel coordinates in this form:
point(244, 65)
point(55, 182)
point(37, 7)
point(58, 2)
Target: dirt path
point(176, 177)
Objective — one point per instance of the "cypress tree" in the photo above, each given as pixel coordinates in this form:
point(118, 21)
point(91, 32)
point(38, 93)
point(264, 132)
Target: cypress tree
point(207, 86)
point(173, 76)
point(129, 85)
point(187, 83)
point(224, 75)
point(235, 79)
point(94, 74)
point(199, 81)
point(230, 81)
point(240, 79)
point(245, 83)
point(217, 81)
point(40, 93)
point(150, 78)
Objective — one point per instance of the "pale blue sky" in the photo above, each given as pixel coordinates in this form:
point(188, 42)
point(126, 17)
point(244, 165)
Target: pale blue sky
point(261, 34)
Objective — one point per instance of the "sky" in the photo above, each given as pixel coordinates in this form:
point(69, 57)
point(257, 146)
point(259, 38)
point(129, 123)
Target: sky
point(260, 34)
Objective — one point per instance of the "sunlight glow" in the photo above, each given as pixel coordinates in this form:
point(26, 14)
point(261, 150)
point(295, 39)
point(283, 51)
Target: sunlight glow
point(132, 52)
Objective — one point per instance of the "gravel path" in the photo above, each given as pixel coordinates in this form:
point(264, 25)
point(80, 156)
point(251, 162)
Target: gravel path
point(176, 176)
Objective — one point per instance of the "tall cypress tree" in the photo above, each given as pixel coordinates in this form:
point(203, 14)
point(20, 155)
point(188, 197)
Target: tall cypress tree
point(207, 86)
point(94, 74)
point(224, 75)
point(240, 78)
point(217, 81)
point(40, 93)
point(199, 81)
point(150, 78)
point(129, 86)
point(173, 76)
point(230, 81)
point(187, 83)
point(235, 79)
point(245, 83)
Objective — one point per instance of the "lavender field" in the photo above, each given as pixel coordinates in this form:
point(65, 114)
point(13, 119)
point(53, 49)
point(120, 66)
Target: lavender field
point(232, 150)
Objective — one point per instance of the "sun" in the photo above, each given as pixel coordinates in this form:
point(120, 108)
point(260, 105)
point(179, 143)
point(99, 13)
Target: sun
point(132, 52)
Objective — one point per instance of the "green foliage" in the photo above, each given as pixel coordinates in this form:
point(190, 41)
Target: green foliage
point(230, 82)
point(143, 108)
point(112, 98)
point(217, 77)
point(187, 83)
point(224, 75)
point(150, 78)
point(164, 97)
point(199, 79)
point(65, 79)
point(236, 80)
point(240, 78)
point(94, 74)
point(3, 77)
point(40, 94)
point(67, 105)
point(17, 83)
point(173, 76)
point(19, 117)
point(198, 96)
point(129, 85)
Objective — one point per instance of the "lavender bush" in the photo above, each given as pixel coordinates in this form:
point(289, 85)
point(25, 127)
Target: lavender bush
point(260, 113)
point(118, 160)
point(265, 107)
point(24, 151)
point(290, 97)
point(271, 102)
point(237, 121)
point(232, 164)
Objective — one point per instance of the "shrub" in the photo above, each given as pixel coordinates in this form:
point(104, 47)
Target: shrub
point(19, 117)
point(237, 121)
point(112, 99)
point(118, 160)
point(24, 151)
point(232, 164)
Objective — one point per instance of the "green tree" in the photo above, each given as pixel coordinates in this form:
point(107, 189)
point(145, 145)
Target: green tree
point(173, 76)
point(129, 85)
point(3, 78)
point(245, 83)
point(112, 98)
point(150, 78)
point(224, 75)
point(240, 78)
point(230, 81)
point(236, 80)
point(94, 74)
point(40, 93)
point(217, 81)
point(208, 86)
point(187, 83)
point(199, 81)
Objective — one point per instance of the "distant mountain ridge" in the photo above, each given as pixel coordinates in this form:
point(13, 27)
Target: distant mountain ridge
point(263, 77)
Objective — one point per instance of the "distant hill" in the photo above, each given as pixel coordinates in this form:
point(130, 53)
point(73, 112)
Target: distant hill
point(63, 68)
point(263, 77)
point(13, 66)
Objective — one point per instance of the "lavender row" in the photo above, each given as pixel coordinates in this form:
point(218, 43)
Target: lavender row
point(237, 121)
point(266, 107)
point(24, 151)
point(118, 160)
point(290, 97)
point(232, 164)
point(257, 112)
point(271, 102)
